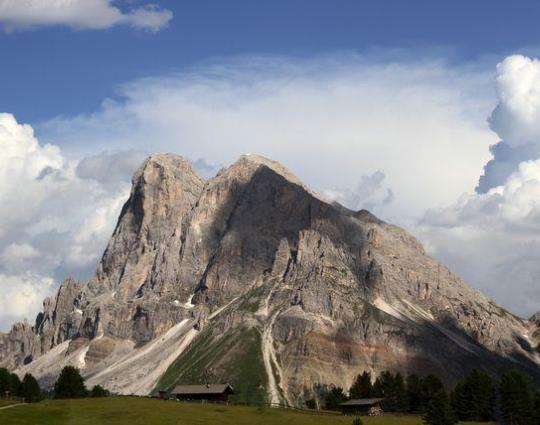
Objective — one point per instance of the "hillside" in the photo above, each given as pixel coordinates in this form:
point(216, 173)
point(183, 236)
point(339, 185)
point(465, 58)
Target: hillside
point(251, 278)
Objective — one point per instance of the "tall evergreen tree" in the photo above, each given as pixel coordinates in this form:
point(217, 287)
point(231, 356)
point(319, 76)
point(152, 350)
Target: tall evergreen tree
point(431, 385)
point(15, 385)
point(335, 397)
point(392, 388)
point(439, 411)
point(474, 398)
point(414, 393)
point(5, 382)
point(536, 418)
point(515, 399)
point(70, 384)
point(362, 386)
point(31, 392)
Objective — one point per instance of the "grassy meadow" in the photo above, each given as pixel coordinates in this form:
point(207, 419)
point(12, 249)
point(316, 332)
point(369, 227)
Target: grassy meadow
point(143, 411)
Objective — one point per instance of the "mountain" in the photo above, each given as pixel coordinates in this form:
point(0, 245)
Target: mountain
point(251, 278)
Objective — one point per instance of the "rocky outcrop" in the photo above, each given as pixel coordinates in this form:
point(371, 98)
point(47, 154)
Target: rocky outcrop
point(250, 269)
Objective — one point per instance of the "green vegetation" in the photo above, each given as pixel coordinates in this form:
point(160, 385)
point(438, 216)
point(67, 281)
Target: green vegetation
point(439, 411)
point(70, 384)
point(234, 357)
point(30, 390)
point(144, 411)
point(4, 403)
point(99, 391)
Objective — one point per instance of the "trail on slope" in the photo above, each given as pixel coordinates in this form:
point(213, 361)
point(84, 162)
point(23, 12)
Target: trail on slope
point(271, 364)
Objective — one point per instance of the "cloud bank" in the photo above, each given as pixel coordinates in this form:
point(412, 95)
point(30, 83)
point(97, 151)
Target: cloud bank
point(332, 120)
point(80, 14)
point(493, 236)
point(55, 219)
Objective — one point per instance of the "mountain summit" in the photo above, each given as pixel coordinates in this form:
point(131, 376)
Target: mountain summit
point(251, 278)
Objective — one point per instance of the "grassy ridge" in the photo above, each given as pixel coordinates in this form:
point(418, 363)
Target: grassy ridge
point(143, 411)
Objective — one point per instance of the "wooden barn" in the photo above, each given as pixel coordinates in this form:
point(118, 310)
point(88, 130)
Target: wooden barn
point(210, 392)
point(363, 406)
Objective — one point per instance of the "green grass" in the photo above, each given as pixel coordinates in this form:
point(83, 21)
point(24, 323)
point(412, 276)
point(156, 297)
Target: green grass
point(7, 402)
point(143, 411)
point(233, 357)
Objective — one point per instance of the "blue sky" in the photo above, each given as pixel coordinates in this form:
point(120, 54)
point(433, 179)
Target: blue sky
point(425, 112)
point(57, 70)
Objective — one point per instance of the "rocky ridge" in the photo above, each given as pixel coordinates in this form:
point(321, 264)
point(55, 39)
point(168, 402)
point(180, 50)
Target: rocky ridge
point(251, 268)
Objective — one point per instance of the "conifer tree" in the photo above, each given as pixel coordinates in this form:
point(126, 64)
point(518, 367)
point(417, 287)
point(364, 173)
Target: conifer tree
point(70, 384)
point(515, 399)
point(439, 411)
point(335, 397)
point(31, 392)
point(362, 386)
point(5, 382)
point(474, 398)
point(414, 393)
point(15, 385)
point(431, 385)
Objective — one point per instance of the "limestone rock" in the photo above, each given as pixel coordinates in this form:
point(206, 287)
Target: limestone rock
point(251, 266)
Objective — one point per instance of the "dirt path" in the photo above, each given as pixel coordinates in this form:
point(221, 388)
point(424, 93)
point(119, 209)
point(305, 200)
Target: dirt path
point(12, 405)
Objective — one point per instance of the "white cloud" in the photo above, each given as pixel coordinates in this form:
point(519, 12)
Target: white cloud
point(493, 237)
point(52, 223)
point(332, 120)
point(22, 296)
point(516, 119)
point(369, 194)
point(80, 14)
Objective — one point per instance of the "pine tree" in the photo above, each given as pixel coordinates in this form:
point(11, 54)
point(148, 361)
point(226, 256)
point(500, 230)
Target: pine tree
point(536, 417)
point(392, 388)
point(362, 386)
point(15, 385)
point(5, 382)
point(515, 399)
point(474, 398)
point(335, 397)
point(439, 411)
point(400, 393)
point(414, 393)
point(431, 385)
point(31, 392)
point(70, 384)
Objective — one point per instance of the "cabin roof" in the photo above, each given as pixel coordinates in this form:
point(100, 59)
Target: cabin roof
point(203, 389)
point(362, 402)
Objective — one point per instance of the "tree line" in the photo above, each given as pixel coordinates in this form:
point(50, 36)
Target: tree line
point(511, 400)
point(70, 384)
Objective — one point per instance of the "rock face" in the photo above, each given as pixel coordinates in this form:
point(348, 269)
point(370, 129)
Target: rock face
point(251, 278)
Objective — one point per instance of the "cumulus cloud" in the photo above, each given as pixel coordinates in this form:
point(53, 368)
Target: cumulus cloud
point(53, 222)
point(369, 194)
point(80, 14)
point(516, 119)
point(493, 236)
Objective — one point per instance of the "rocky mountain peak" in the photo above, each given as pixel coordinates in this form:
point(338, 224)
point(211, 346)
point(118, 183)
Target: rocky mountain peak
point(251, 267)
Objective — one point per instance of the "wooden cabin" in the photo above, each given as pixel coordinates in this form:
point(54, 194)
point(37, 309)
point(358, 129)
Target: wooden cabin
point(217, 393)
point(363, 406)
